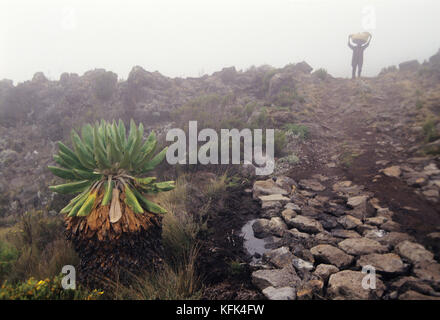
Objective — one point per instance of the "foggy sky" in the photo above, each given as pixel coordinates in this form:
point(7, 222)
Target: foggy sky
point(181, 38)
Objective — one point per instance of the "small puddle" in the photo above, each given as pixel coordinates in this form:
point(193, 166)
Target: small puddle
point(252, 244)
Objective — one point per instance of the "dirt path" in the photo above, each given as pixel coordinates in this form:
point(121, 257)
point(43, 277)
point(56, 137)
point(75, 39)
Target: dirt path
point(359, 128)
point(355, 145)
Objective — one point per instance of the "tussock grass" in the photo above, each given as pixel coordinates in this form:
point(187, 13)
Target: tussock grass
point(39, 246)
point(171, 283)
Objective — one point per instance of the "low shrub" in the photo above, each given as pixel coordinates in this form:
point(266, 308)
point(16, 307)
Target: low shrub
point(290, 159)
point(104, 85)
point(47, 289)
point(267, 77)
point(206, 109)
point(41, 246)
point(299, 130)
point(280, 142)
point(287, 97)
point(8, 255)
point(430, 131)
point(321, 74)
point(237, 268)
point(170, 283)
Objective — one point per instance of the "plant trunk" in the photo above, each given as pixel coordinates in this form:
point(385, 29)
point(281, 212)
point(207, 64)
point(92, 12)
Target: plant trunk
point(111, 253)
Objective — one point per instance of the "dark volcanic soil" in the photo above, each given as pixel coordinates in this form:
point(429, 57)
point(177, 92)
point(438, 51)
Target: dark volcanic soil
point(222, 259)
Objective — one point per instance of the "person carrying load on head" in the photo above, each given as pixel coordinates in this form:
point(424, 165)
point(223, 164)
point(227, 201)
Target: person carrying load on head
point(362, 41)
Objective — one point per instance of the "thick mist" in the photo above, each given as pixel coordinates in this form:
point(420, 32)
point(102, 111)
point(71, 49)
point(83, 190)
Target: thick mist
point(195, 37)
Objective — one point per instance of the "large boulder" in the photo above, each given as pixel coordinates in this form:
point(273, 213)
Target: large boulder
point(288, 215)
point(411, 283)
point(361, 246)
point(393, 171)
point(277, 278)
point(270, 209)
point(347, 285)
point(308, 290)
point(428, 271)
point(302, 265)
point(264, 227)
point(386, 263)
point(306, 224)
point(268, 187)
point(357, 201)
point(349, 222)
point(311, 184)
point(414, 252)
point(284, 293)
point(390, 239)
point(414, 295)
point(361, 208)
point(324, 271)
point(280, 257)
point(331, 255)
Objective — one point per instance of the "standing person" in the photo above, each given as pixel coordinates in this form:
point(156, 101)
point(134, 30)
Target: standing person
point(358, 55)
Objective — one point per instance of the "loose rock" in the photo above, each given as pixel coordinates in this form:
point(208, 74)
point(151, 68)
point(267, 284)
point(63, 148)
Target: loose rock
point(301, 264)
point(324, 271)
point(393, 171)
point(280, 257)
point(277, 278)
point(284, 293)
point(428, 271)
point(413, 295)
point(288, 215)
point(310, 184)
point(414, 252)
point(349, 222)
point(306, 224)
point(387, 263)
point(274, 197)
point(347, 285)
point(331, 255)
point(342, 233)
point(267, 187)
point(361, 246)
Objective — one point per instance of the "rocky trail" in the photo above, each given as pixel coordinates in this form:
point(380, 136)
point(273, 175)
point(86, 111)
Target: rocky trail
point(363, 198)
point(360, 188)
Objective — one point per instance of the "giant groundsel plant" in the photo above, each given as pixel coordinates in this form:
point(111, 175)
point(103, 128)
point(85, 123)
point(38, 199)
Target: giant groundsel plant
point(107, 166)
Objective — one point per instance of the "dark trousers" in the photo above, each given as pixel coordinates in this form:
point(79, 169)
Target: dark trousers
point(359, 68)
